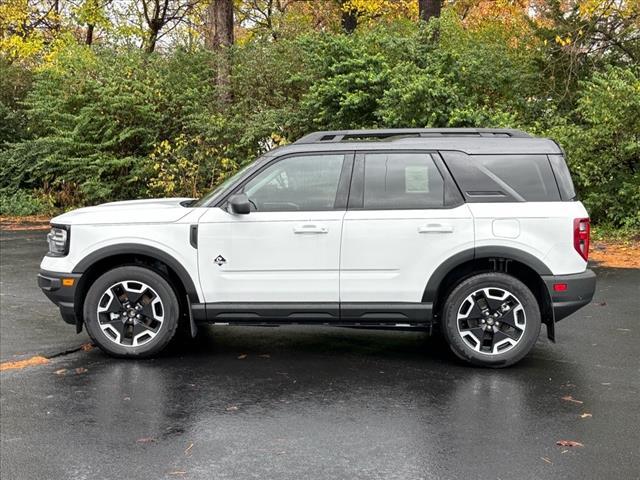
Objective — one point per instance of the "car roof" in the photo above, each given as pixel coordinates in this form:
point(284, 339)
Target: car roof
point(470, 141)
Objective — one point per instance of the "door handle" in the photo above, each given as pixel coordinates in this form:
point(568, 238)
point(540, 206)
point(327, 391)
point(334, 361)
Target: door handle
point(435, 228)
point(310, 228)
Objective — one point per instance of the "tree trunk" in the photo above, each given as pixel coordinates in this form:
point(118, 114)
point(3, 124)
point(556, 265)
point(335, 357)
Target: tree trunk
point(56, 18)
point(219, 24)
point(218, 37)
point(153, 39)
point(428, 9)
point(89, 39)
point(349, 20)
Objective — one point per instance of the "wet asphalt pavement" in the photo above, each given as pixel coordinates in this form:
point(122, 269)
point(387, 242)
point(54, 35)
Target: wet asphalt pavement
point(313, 402)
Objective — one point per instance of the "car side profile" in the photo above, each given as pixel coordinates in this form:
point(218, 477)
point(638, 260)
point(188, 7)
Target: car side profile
point(476, 232)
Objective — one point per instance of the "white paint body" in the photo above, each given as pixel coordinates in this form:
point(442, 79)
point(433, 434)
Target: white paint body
point(270, 256)
point(389, 255)
point(545, 230)
point(331, 256)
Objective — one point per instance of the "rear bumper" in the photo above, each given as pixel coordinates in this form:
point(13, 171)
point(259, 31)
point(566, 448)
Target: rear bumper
point(579, 291)
point(62, 295)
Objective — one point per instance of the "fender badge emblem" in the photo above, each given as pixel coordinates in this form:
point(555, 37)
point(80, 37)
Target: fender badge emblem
point(220, 260)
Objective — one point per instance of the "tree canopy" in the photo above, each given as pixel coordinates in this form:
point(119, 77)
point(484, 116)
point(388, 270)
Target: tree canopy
point(112, 99)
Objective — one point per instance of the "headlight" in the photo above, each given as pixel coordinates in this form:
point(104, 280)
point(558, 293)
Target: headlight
point(58, 239)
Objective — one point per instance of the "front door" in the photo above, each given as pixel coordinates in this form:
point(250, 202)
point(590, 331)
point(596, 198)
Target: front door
point(287, 249)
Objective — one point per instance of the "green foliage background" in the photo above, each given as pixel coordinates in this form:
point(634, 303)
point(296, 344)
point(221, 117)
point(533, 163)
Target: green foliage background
point(99, 124)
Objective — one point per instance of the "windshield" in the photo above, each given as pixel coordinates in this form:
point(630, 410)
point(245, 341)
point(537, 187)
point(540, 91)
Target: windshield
point(205, 199)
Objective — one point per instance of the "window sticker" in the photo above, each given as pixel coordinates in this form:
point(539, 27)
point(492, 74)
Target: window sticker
point(416, 178)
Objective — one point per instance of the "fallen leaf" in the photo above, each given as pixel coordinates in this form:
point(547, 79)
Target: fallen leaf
point(600, 304)
point(547, 460)
point(232, 408)
point(62, 371)
point(80, 370)
point(86, 347)
point(569, 398)
point(586, 415)
point(569, 443)
point(29, 362)
point(265, 355)
point(146, 440)
point(186, 452)
point(242, 357)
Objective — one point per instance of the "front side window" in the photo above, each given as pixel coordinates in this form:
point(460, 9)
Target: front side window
point(401, 181)
point(300, 183)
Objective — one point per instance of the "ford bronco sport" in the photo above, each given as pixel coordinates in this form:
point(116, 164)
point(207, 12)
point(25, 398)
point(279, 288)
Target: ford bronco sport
point(476, 232)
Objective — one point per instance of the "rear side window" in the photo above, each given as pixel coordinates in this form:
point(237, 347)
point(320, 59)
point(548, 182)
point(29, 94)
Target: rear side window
point(563, 177)
point(503, 178)
point(401, 181)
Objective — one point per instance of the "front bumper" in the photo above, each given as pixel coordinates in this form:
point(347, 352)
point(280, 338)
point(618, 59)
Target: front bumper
point(59, 292)
point(579, 291)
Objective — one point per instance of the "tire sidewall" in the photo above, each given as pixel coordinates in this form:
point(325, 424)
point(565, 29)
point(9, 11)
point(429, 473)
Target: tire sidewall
point(486, 280)
point(134, 273)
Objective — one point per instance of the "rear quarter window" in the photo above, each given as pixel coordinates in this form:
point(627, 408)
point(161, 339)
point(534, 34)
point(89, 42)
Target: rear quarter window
point(503, 178)
point(563, 177)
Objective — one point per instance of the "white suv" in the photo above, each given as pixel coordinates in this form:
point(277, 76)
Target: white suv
point(473, 231)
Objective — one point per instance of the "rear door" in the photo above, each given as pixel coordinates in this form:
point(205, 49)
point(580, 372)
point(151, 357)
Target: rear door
point(405, 217)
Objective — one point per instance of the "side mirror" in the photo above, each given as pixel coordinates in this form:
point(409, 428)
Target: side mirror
point(239, 204)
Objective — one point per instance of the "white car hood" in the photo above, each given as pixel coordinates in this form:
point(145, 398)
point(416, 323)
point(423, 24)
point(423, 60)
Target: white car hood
point(157, 210)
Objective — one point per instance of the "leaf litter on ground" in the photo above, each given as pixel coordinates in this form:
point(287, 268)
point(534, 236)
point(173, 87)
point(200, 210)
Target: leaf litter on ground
point(569, 398)
point(569, 443)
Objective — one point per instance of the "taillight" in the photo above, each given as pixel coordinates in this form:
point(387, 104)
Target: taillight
point(581, 234)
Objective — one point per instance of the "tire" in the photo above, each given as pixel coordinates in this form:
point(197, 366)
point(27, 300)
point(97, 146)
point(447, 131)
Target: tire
point(491, 320)
point(131, 312)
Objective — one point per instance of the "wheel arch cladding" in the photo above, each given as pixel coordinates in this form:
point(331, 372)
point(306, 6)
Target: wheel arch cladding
point(107, 258)
point(512, 261)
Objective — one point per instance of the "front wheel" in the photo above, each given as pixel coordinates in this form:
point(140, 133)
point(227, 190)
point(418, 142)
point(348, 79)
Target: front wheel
point(131, 312)
point(491, 320)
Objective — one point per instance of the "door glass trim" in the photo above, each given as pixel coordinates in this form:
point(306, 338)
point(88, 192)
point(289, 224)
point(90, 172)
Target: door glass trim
point(342, 191)
point(344, 183)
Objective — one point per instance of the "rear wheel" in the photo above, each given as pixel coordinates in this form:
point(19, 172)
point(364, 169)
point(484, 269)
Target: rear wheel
point(491, 319)
point(131, 312)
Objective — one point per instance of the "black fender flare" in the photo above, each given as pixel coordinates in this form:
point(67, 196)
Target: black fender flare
point(148, 251)
point(431, 290)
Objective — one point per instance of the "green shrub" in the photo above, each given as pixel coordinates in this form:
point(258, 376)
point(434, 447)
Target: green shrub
point(22, 202)
point(603, 146)
point(96, 115)
point(106, 123)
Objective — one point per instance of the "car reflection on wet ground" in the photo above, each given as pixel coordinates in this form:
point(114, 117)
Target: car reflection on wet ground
point(314, 402)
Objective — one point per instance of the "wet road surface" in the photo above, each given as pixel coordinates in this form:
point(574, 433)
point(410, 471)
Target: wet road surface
point(313, 402)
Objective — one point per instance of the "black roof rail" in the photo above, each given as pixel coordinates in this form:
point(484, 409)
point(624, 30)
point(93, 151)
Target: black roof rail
point(391, 134)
